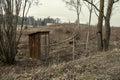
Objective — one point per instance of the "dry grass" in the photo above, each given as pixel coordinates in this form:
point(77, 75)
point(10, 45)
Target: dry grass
point(91, 65)
point(102, 66)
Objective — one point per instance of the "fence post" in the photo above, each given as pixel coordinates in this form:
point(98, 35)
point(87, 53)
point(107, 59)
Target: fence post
point(73, 49)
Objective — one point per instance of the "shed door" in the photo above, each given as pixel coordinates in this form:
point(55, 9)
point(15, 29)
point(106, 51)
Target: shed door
point(43, 47)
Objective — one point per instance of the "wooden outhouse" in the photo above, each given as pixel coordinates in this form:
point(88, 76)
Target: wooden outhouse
point(39, 45)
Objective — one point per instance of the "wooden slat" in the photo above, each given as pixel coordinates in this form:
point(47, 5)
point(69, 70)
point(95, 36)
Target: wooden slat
point(36, 40)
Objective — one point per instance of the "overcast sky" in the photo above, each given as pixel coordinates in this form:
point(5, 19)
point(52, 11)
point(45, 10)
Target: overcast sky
point(57, 8)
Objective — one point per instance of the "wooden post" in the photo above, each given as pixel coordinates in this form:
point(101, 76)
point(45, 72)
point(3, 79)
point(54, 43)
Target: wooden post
point(73, 49)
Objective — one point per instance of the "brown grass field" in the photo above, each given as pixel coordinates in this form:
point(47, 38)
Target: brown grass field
point(90, 65)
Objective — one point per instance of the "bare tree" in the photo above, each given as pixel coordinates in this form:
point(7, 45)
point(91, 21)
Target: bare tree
point(76, 6)
point(99, 26)
point(90, 8)
point(10, 10)
point(103, 44)
point(107, 22)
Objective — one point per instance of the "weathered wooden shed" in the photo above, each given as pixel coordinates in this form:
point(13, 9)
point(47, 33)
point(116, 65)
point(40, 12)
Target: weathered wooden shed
point(38, 45)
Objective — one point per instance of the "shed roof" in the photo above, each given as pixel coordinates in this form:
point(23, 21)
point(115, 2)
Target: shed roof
point(39, 32)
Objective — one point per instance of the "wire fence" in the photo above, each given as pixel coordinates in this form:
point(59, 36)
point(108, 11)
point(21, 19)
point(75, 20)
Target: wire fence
point(63, 45)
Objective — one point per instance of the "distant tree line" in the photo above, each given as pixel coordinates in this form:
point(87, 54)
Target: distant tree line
point(38, 22)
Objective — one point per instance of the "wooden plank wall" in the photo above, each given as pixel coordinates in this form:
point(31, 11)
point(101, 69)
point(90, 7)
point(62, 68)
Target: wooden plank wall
point(38, 45)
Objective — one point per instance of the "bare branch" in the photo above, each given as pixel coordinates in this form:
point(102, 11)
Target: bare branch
point(92, 5)
point(96, 13)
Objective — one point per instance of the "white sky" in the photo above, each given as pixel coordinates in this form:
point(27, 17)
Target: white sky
point(57, 8)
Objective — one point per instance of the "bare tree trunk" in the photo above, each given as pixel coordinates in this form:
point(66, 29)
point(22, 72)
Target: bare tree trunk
point(78, 25)
point(107, 24)
point(99, 27)
point(78, 19)
point(90, 16)
point(78, 12)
